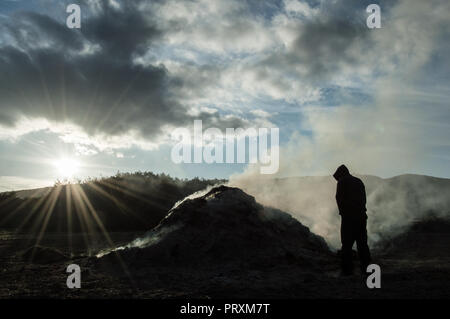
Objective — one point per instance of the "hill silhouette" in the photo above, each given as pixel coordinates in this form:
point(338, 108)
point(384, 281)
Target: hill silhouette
point(124, 202)
point(425, 239)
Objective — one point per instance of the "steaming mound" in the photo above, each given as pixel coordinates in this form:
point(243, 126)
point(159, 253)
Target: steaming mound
point(226, 226)
point(425, 239)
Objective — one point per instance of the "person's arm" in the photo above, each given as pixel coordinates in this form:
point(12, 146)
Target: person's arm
point(340, 197)
point(363, 194)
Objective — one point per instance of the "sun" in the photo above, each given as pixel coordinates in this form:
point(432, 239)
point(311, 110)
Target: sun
point(67, 167)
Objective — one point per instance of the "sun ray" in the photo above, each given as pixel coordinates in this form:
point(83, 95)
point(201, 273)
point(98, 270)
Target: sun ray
point(131, 193)
point(6, 198)
point(43, 210)
point(94, 214)
point(122, 207)
point(49, 210)
point(68, 194)
point(117, 103)
point(34, 209)
point(83, 217)
point(94, 97)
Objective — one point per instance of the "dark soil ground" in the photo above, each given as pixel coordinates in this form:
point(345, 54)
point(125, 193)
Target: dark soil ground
point(406, 276)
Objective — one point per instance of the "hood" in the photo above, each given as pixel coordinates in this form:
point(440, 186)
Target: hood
point(341, 172)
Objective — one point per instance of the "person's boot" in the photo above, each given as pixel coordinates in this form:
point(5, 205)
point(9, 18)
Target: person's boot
point(346, 263)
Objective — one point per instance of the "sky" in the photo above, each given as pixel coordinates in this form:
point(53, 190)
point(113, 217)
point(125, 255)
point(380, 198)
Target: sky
point(88, 102)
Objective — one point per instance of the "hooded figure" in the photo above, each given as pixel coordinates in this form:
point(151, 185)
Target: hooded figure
point(351, 201)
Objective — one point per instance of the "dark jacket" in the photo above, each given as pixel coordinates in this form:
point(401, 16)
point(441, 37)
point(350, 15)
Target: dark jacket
point(350, 194)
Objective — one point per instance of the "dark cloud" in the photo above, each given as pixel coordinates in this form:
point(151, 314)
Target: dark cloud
point(334, 42)
point(121, 32)
point(325, 46)
point(91, 91)
point(322, 48)
point(30, 30)
point(88, 76)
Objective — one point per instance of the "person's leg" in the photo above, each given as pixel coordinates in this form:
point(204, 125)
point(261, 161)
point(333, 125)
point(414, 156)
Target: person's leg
point(347, 240)
point(363, 248)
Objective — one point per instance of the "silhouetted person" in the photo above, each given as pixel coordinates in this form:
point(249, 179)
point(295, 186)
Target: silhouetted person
point(351, 201)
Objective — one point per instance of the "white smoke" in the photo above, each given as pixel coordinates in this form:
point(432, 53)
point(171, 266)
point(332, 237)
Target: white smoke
point(393, 204)
point(149, 238)
point(195, 195)
point(401, 128)
point(310, 200)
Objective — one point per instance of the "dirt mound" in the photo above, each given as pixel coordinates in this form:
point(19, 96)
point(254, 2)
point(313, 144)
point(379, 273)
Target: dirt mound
point(43, 255)
point(224, 227)
point(424, 239)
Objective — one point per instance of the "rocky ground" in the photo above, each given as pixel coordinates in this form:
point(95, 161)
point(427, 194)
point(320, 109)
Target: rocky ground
point(407, 277)
point(224, 245)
